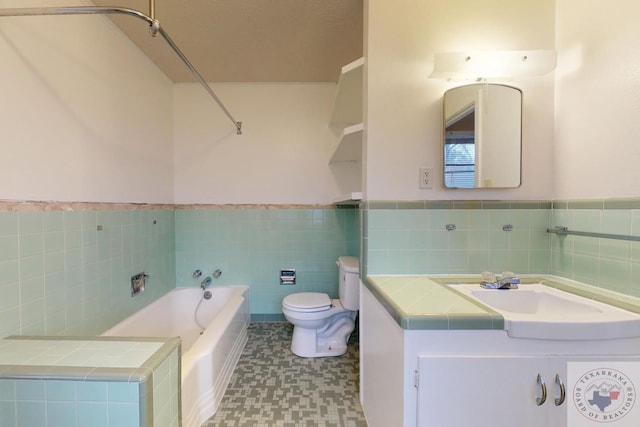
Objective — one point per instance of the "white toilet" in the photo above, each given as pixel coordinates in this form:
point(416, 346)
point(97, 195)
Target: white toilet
point(322, 326)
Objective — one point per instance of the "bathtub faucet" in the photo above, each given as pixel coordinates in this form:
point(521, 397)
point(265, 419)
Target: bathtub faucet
point(206, 283)
point(506, 280)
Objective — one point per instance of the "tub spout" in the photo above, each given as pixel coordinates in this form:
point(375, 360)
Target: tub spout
point(206, 283)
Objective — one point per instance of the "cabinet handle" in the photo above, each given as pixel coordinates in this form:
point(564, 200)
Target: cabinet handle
point(543, 389)
point(560, 400)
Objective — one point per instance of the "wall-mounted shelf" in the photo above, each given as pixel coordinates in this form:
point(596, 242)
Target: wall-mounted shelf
point(347, 116)
point(347, 105)
point(352, 198)
point(349, 147)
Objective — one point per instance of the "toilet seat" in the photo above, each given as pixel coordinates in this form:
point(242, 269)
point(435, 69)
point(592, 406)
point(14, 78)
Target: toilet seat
point(307, 302)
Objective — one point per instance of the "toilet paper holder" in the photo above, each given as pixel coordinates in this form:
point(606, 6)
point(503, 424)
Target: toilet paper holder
point(288, 276)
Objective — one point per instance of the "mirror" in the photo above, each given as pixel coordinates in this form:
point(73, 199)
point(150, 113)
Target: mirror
point(482, 136)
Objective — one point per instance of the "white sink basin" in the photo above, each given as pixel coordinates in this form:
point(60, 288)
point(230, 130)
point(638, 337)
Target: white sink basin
point(542, 312)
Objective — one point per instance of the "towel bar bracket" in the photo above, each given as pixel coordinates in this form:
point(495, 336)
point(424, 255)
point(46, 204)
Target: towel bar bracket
point(564, 231)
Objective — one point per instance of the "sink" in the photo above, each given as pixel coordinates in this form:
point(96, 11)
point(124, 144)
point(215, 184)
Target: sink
point(542, 312)
point(535, 299)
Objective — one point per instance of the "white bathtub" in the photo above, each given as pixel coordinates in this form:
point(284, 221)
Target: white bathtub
point(208, 360)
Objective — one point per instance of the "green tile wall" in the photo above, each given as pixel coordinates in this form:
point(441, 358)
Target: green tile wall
point(251, 245)
point(29, 403)
point(61, 275)
point(406, 238)
point(166, 386)
point(410, 238)
point(607, 263)
point(76, 382)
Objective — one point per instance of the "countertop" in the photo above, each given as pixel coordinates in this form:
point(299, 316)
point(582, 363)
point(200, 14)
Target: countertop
point(83, 358)
point(422, 302)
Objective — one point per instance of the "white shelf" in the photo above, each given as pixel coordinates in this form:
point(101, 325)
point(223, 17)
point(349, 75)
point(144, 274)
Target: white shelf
point(352, 198)
point(349, 147)
point(347, 106)
point(347, 115)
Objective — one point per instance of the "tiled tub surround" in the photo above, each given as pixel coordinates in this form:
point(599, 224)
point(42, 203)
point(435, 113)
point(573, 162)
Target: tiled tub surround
point(82, 382)
point(252, 244)
point(65, 268)
point(67, 272)
point(209, 356)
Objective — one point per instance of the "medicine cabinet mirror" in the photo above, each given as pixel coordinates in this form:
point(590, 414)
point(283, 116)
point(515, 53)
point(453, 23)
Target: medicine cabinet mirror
point(482, 136)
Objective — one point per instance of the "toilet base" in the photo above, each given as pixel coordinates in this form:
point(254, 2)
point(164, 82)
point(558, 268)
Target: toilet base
point(330, 341)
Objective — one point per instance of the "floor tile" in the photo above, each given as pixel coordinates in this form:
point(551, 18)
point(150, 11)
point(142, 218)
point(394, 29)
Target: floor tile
point(272, 387)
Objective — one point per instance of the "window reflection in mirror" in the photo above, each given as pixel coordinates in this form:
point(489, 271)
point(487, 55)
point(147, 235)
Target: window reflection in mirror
point(482, 136)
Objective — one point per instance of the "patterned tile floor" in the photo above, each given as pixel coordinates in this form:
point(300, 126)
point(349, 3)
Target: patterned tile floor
point(272, 387)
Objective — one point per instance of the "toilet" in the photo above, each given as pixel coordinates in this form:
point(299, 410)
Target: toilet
point(322, 326)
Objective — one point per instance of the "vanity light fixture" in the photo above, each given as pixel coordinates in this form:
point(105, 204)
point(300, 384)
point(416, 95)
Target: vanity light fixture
point(483, 65)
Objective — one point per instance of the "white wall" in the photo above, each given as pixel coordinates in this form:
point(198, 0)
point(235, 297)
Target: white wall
point(84, 116)
point(597, 151)
point(281, 157)
point(404, 106)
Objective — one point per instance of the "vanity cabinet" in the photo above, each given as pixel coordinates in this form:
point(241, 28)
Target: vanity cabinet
point(498, 390)
point(444, 377)
point(480, 391)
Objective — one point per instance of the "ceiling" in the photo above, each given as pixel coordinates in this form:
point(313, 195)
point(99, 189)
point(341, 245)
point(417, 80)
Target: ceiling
point(250, 40)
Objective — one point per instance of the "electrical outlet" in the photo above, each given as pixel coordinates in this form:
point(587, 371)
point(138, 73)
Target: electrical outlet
point(426, 177)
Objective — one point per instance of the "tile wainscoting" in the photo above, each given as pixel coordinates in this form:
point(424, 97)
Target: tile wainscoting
point(411, 237)
point(251, 244)
point(68, 272)
point(416, 237)
point(65, 268)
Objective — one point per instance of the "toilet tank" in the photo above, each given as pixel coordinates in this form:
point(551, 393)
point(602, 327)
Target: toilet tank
point(349, 282)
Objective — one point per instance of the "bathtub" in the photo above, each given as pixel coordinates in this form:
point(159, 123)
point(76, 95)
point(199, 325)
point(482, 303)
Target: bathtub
point(208, 359)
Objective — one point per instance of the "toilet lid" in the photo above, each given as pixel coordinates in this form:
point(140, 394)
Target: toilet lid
point(308, 301)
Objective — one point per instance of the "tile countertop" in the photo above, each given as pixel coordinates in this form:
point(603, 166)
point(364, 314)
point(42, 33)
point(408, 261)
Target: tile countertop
point(83, 358)
point(426, 302)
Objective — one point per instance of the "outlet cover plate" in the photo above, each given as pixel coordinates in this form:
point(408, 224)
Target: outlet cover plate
point(426, 177)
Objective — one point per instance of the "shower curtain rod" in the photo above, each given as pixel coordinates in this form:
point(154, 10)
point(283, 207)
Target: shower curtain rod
point(154, 29)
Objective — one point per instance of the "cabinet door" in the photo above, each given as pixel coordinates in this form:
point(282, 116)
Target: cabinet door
point(481, 391)
point(598, 390)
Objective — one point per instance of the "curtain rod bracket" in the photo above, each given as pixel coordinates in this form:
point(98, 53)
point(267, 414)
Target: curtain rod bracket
point(154, 28)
